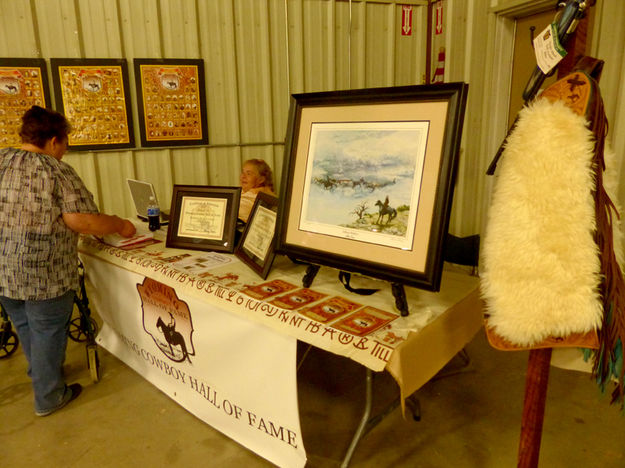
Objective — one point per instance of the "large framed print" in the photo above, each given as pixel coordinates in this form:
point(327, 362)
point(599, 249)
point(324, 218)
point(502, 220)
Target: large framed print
point(368, 180)
point(256, 247)
point(23, 84)
point(203, 218)
point(172, 102)
point(94, 96)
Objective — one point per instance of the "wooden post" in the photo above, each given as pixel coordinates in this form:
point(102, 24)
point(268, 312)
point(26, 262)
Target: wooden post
point(536, 380)
point(537, 375)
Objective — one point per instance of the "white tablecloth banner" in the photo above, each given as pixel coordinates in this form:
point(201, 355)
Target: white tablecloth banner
point(234, 374)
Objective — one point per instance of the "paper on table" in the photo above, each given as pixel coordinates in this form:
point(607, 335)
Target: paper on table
point(142, 234)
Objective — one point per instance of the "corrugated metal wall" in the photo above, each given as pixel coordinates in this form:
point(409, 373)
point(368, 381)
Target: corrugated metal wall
point(256, 53)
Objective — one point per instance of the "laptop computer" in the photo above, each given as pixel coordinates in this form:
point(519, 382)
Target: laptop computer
point(141, 192)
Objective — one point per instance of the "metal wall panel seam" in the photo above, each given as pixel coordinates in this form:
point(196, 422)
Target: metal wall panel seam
point(124, 39)
point(198, 33)
point(349, 47)
point(79, 38)
point(166, 160)
point(256, 73)
point(279, 82)
point(35, 23)
point(365, 23)
point(240, 72)
point(236, 76)
point(332, 46)
point(472, 172)
point(154, 33)
point(159, 26)
point(175, 15)
point(295, 39)
point(319, 55)
point(287, 46)
point(393, 43)
point(306, 77)
point(361, 63)
point(221, 168)
point(272, 96)
point(70, 33)
point(199, 36)
point(120, 30)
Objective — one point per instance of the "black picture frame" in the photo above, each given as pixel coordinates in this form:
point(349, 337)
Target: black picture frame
point(203, 218)
point(256, 248)
point(397, 146)
point(94, 96)
point(23, 84)
point(171, 96)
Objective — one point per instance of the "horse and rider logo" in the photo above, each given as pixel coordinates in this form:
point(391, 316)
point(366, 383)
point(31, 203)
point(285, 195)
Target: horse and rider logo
point(385, 210)
point(167, 320)
point(91, 80)
point(10, 84)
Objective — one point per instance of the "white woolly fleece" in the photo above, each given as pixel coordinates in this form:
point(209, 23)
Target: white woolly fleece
point(540, 262)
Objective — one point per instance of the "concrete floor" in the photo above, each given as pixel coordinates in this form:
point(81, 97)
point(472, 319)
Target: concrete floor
point(470, 419)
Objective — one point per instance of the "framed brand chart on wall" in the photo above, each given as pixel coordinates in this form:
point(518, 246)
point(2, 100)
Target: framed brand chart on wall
point(172, 102)
point(93, 95)
point(368, 180)
point(23, 84)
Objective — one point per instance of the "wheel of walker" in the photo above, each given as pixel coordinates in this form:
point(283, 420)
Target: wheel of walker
point(9, 344)
point(94, 329)
point(78, 333)
point(93, 362)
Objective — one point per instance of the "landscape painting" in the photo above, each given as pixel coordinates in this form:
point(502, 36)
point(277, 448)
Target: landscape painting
point(363, 181)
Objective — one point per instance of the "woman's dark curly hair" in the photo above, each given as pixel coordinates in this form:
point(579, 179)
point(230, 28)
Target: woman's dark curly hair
point(39, 125)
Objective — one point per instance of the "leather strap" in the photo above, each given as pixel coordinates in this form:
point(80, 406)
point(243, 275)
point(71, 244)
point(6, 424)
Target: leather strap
point(345, 277)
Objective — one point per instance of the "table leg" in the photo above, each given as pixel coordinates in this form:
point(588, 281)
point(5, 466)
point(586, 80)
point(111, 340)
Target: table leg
point(367, 422)
point(536, 380)
point(363, 420)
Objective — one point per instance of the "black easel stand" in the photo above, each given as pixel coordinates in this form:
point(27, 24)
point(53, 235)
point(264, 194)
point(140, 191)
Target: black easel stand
point(309, 276)
point(399, 293)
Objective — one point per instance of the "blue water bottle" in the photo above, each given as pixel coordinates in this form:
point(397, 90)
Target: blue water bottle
point(154, 215)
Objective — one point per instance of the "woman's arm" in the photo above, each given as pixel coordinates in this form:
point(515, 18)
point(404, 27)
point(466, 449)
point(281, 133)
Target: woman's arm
point(98, 224)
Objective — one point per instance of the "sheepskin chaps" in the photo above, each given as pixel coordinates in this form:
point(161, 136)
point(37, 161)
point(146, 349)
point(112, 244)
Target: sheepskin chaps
point(552, 254)
point(541, 266)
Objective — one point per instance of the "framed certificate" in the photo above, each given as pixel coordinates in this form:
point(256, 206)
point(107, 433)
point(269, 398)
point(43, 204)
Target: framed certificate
point(93, 95)
point(172, 104)
point(203, 218)
point(257, 244)
point(23, 84)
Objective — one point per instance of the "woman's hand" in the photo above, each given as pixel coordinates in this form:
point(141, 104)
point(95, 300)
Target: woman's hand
point(128, 229)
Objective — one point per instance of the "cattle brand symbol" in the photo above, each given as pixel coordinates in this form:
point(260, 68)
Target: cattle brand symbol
point(167, 320)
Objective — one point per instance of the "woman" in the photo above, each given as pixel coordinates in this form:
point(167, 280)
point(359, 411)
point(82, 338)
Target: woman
point(43, 206)
point(255, 177)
